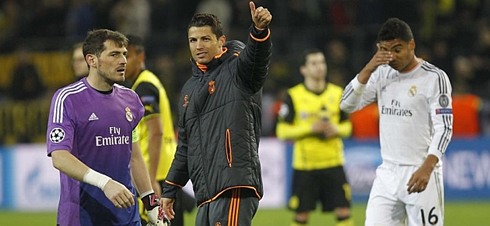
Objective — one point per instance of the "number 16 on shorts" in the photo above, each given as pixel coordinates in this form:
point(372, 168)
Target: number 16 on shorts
point(429, 218)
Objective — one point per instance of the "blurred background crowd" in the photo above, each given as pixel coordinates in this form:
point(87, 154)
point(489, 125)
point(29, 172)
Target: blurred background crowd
point(37, 37)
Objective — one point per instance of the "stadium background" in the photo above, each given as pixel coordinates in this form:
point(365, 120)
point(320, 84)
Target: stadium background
point(36, 37)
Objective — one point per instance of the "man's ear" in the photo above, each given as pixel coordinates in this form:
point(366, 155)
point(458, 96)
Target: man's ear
point(411, 44)
point(222, 40)
point(91, 60)
point(302, 70)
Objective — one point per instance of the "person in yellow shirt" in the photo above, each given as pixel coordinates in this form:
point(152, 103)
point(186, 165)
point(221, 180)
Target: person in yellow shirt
point(310, 115)
point(156, 130)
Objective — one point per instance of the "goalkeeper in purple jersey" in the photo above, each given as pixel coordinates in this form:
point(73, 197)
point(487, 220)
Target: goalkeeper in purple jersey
point(90, 140)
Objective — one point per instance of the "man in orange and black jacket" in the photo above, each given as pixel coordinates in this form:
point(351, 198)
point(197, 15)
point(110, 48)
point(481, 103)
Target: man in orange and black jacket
point(219, 122)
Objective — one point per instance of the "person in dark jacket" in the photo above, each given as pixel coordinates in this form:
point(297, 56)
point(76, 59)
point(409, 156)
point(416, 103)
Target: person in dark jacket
point(219, 122)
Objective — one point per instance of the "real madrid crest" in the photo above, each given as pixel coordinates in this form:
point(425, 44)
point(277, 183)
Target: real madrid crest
point(413, 91)
point(444, 101)
point(129, 115)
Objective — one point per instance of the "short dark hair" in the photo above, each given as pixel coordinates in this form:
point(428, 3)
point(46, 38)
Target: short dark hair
point(395, 28)
point(94, 42)
point(207, 19)
point(306, 53)
point(137, 42)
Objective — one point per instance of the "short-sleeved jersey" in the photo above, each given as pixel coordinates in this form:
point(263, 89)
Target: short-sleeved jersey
point(415, 110)
point(155, 100)
point(97, 129)
point(298, 112)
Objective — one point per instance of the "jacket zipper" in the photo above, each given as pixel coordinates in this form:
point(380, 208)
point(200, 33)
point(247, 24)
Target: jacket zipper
point(229, 154)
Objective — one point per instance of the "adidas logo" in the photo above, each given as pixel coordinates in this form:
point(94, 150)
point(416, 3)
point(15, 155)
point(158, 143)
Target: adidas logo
point(93, 117)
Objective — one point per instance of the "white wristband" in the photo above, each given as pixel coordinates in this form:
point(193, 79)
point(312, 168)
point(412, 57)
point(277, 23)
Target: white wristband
point(95, 178)
point(146, 193)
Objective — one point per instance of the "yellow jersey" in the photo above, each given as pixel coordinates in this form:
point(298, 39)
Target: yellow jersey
point(154, 99)
point(299, 111)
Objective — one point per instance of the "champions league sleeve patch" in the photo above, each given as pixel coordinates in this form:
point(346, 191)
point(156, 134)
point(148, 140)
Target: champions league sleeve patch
point(444, 111)
point(57, 135)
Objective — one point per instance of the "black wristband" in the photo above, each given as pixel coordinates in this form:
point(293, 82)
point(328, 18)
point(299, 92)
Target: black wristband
point(150, 201)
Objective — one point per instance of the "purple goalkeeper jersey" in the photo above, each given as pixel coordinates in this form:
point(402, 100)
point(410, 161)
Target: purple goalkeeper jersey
point(97, 129)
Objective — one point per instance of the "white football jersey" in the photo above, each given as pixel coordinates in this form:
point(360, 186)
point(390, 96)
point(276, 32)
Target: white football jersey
point(415, 110)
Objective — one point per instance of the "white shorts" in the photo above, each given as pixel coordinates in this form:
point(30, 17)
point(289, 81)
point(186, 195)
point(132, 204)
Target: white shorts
point(390, 204)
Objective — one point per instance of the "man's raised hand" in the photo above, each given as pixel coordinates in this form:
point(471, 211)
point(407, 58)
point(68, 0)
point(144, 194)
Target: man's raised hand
point(260, 16)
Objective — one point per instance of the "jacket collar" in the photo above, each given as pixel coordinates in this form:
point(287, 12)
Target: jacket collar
point(230, 48)
point(198, 68)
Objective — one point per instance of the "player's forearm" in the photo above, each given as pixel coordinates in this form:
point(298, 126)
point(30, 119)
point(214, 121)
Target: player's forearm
point(139, 172)
point(443, 130)
point(68, 164)
point(155, 133)
point(178, 174)
point(351, 96)
point(345, 128)
point(287, 131)
point(154, 149)
point(254, 60)
point(364, 75)
point(140, 176)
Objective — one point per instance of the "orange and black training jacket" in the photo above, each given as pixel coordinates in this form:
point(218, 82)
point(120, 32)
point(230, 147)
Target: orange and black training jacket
point(219, 122)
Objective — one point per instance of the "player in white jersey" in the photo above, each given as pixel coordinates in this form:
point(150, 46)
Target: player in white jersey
point(414, 102)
